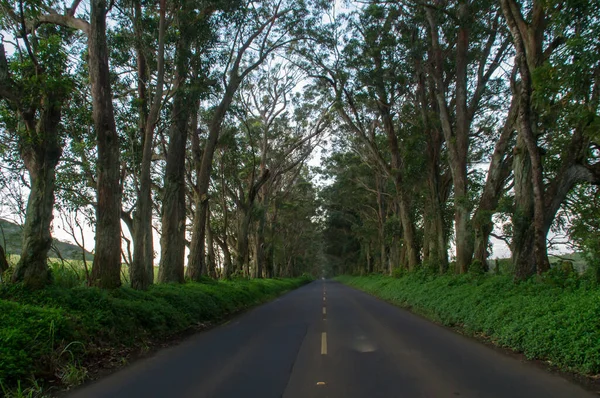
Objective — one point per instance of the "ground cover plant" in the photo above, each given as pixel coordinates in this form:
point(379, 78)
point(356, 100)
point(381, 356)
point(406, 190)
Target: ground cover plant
point(51, 334)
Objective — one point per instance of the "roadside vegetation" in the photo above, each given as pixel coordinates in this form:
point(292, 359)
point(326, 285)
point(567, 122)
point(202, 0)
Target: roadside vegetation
point(443, 126)
point(554, 318)
point(57, 335)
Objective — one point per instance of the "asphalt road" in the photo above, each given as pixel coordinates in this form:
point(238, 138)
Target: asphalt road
point(328, 340)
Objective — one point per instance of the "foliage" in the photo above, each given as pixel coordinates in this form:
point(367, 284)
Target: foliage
point(558, 324)
point(54, 332)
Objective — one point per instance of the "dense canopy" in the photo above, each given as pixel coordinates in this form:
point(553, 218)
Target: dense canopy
point(186, 135)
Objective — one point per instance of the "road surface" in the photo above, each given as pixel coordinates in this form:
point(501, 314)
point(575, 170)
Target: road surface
point(328, 340)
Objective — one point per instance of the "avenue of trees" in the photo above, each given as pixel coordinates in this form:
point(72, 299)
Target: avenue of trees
point(459, 121)
point(450, 122)
point(175, 116)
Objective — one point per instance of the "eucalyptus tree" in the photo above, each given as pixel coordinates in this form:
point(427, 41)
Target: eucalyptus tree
point(266, 97)
point(366, 75)
point(138, 43)
point(262, 29)
point(265, 141)
point(107, 261)
point(195, 22)
point(34, 88)
point(473, 39)
point(294, 226)
point(142, 267)
point(554, 42)
point(357, 209)
point(286, 128)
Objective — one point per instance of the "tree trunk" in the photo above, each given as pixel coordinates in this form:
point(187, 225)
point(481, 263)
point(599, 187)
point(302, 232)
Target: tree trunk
point(142, 266)
point(368, 257)
point(40, 149)
point(264, 206)
point(106, 268)
point(261, 257)
point(3, 262)
point(196, 263)
point(227, 266)
point(408, 233)
point(462, 216)
point(381, 220)
point(498, 172)
point(522, 244)
point(526, 127)
point(408, 227)
point(40, 160)
point(211, 265)
point(438, 252)
point(241, 258)
point(529, 55)
point(172, 241)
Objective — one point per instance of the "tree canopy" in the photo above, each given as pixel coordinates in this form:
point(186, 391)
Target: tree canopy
point(185, 134)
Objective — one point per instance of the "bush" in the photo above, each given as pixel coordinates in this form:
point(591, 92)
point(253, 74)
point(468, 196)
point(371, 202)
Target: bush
point(542, 319)
point(476, 268)
point(398, 272)
point(49, 333)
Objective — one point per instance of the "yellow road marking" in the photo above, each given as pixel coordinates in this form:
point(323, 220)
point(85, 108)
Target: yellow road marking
point(324, 343)
point(320, 383)
point(324, 311)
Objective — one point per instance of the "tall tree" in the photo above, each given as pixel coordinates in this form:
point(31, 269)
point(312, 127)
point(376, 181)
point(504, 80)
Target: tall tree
point(268, 29)
point(142, 267)
point(35, 85)
point(106, 269)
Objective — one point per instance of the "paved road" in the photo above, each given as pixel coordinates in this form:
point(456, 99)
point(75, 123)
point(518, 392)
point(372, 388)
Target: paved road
point(328, 340)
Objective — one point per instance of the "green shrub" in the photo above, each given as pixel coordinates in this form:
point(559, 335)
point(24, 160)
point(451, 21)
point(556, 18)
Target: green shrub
point(51, 332)
point(562, 274)
point(476, 268)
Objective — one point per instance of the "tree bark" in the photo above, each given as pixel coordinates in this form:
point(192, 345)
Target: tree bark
point(106, 268)
point(40, 160)
point(210, 259)
point(522, 244)
point(498, 172)
point(528, 39)
point(173, 219)
point(438, 249)
point(261, 257)
point(3, 262)
point(40, 149)
point(196, 265)
point(142, 266)
point(457, 138)
point(241, 258)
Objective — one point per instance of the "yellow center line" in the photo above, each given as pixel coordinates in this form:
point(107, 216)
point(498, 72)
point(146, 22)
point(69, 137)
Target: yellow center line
point(324, 343)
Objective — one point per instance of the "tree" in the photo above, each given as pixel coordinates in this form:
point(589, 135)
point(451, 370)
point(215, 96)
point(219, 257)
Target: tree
point(456, 123)
point(35, 85)
point(269, 27)
point(538, 37)
point(106, 269)
point(142, 267)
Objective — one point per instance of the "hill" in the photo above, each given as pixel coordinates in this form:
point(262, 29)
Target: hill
point(10, 239)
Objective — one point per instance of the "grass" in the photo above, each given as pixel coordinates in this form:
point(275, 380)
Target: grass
point(555, 318)
point(53, 334)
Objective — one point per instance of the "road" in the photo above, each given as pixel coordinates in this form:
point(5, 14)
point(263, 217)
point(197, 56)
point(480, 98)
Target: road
point(328, 340)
